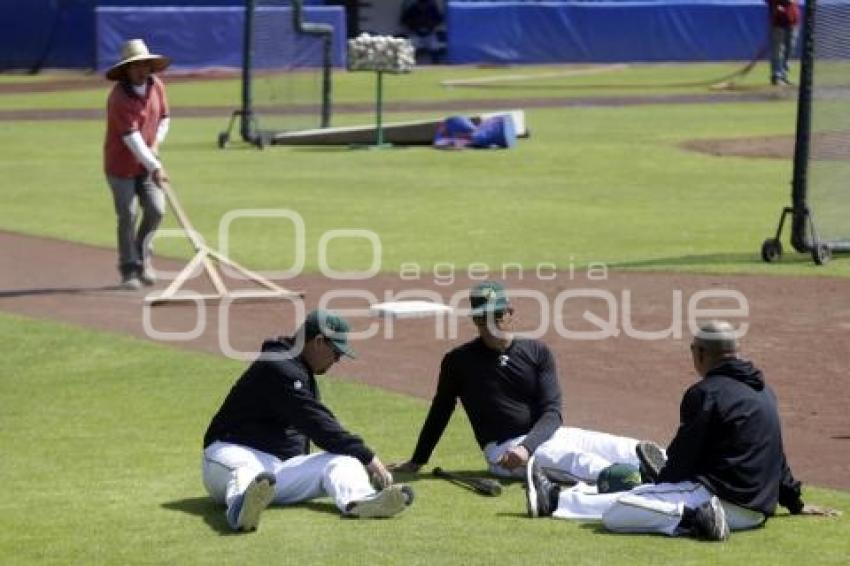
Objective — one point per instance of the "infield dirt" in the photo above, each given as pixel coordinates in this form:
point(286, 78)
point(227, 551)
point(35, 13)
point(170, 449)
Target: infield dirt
point(799, 334)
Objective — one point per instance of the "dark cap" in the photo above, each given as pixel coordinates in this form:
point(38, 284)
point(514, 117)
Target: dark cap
point(488, 297)
point(618, 477)
point(330, 325)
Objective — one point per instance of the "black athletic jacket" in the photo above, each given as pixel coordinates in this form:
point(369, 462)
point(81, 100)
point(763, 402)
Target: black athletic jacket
point(730, 440)
point(505, 395)
point(275, 408)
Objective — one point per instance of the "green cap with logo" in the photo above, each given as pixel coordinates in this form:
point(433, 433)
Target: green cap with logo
point(488, 297)
point(618, 477)
point(332, 326)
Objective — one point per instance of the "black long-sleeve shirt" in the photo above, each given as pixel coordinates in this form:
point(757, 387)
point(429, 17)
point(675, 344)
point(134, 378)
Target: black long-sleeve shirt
point(275, 407)
point(505, 395)
point(730, 440)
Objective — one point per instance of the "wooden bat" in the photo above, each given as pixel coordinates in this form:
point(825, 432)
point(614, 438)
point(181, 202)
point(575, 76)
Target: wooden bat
point(484, 486)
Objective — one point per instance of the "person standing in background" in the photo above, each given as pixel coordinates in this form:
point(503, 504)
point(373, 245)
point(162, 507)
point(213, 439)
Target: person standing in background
point(136, 124)
point(784, 18)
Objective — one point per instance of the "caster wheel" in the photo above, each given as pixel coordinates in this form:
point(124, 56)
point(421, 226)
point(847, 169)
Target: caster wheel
point(821, 253)
point(223, 140)
point(771, 250)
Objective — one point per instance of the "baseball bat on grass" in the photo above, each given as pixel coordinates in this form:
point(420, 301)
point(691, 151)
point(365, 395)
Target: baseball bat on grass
point(483, 486)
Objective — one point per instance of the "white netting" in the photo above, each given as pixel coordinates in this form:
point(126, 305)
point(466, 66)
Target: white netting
point(380, 53)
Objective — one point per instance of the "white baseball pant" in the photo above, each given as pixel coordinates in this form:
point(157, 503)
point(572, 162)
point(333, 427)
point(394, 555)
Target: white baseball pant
point(228, 469)
point(649, 508)
point(579, 453)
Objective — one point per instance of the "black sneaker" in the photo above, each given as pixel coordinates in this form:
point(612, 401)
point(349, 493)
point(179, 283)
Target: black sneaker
point(407, 491)
point(542, 496)
point(652, 461)
point(709, 521)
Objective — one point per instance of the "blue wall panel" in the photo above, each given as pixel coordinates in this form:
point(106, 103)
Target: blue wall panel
point(605, 31)
point(62, 33)
point(202, 37)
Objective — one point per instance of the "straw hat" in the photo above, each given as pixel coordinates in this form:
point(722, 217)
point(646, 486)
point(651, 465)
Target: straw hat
point(136, 50)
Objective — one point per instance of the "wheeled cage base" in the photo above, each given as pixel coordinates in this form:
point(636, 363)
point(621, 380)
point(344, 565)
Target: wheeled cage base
point(247, 128)
point(821, 251)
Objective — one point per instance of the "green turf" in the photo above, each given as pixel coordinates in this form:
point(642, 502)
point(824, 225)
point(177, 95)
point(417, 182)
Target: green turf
point(425, 84)
point(101, 438)
point(591, 185)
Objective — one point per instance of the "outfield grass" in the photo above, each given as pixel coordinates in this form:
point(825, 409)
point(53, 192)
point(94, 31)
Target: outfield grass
point(591, 185)
point(543, 81)
point(102, 443)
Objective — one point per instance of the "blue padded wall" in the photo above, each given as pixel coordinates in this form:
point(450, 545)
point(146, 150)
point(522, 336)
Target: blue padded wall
point(605, 31)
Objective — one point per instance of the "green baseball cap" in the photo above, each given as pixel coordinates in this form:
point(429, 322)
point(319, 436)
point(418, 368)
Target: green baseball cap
point(488, 297)
point(332, 326)
point(618, 477)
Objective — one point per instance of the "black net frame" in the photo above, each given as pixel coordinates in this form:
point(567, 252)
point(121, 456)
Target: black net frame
point(251, 128)
point(804, 232)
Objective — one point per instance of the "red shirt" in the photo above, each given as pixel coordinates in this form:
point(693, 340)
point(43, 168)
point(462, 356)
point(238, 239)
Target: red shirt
point(784, 13)
point(127, 112)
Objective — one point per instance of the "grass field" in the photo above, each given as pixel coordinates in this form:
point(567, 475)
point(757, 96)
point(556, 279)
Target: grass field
point(102, 434)
point(101, 466)
point(592, 184)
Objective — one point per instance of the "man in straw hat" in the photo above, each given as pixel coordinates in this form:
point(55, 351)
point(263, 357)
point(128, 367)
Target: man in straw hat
point(136, 123)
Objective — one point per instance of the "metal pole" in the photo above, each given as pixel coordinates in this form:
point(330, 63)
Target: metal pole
point(246, 117)
point(378, 106)
point(799, 184)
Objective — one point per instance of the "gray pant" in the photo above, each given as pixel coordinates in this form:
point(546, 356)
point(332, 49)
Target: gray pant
point(134, 246)
point(782, 42)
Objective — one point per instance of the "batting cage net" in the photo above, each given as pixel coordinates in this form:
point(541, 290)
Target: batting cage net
point(286, 72)
point(822, 160)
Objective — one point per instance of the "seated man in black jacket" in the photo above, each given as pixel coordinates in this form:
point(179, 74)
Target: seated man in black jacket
point(726, 467)
point(508, 386)
point(256, 449)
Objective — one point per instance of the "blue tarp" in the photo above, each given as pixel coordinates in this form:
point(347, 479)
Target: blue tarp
point(202, 37)
point(606, 31)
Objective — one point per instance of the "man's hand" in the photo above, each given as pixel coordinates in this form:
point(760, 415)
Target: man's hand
point(159, 177)
point(406, 467)
point(514, 458)
point(381, 477)
point(817, 510)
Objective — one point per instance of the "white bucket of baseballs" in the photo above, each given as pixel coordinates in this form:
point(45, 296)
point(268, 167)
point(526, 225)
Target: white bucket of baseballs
point(381, 53)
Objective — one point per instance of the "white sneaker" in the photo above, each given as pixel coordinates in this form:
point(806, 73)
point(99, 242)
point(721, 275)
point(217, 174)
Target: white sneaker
point(131, 283)
point(244, 513)
point(147, 277)
point(388, 502)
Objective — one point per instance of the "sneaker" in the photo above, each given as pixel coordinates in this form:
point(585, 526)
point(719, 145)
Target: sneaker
point(560, 477)
point(147, 277)
point(652, 461)
point(709, 520)
point(130, 283)
point(542, 496)
point(408, 495)
point(388, 502)
point(244, 513)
